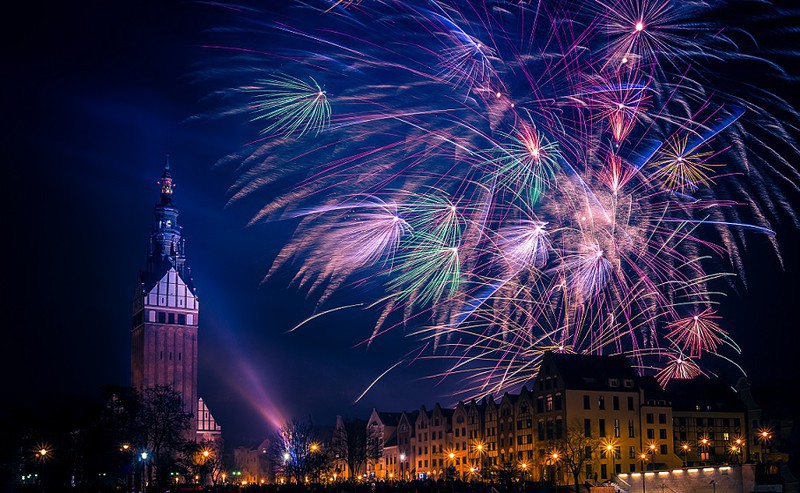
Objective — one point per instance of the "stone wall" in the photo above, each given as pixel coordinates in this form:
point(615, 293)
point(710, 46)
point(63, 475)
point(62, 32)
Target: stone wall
point(728, 479)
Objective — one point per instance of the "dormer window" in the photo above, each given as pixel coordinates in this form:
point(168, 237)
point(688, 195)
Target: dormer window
point(613, 382)
point(628, 383)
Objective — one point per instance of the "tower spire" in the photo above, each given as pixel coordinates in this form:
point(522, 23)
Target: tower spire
point(166, 184)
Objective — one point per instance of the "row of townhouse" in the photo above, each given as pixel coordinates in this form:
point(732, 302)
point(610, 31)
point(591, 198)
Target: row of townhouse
point(688, 423)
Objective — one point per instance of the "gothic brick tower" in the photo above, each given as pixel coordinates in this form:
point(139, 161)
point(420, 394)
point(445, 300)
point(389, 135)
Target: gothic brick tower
point(165, 315)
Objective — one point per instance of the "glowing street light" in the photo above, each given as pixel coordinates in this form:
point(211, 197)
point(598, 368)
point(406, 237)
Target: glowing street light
point(610, 450)
point(555, 457)
point(764, 435)
point(704, 443)
point(643, 459)
point(685, 447)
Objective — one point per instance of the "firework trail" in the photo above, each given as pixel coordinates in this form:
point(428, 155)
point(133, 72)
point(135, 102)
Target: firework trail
point(509, 178)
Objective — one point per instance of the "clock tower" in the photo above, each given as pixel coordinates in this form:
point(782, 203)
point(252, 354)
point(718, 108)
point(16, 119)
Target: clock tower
point(164, 338)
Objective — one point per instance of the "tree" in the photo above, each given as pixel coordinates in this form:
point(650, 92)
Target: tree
point(356, 445)
point(162, 427)
point(575, 451)
point(297, 453)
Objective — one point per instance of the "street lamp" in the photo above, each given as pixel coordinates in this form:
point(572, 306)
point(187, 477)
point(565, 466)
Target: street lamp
point(764, 435)
point(739, 441)
point(42, 454)
point(555, 457)
point(402, 466)
point(643, 458)
point(144, 456)
point(685, 447)
point(704, 442)
point(610, 449)
point(652, 450)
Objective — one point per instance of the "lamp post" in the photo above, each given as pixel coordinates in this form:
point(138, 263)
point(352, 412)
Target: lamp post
point(610, 450)
point(42, 454)
point(704, 442)
point(643, 459)
point(144, 456)
point(764, 435)
point(739, 441)
point(555, 456)
point(685, 447)
point(479, 448)
point(402, 467)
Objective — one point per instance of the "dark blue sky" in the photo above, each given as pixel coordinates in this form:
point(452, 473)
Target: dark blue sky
point(94, 95)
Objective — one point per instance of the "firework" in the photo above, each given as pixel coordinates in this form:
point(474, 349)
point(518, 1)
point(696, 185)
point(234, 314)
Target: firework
point(511, 178)
point(289, 104)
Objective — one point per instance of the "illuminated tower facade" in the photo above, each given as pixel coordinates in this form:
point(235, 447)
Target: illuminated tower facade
point(166, 314)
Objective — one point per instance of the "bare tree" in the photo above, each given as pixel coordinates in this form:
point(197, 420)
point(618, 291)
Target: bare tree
point(575, 451)
point(356, 445)
point(162, 426)
point(297, 453)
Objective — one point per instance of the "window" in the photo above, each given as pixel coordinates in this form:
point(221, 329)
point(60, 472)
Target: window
point(588, 470)
point(603, 471)
point(601, 402)
point(618, 453)
point(628, 383)
point(662, 433)
point(630, 403)
point(539, 405)
point(651, 433)
point(650, 418)
point(613, 382)
point(162, 317)
point(549, 405)
point(664, 449)
point(602, 428)
point(586, 402)
point(632, 452)
point(171, 318)
point(662, 418)
point(616, 402)
point(587, 427)
point(181, 319)
point(540, 430)
point(559, 429)
point(557, 402)
point(631, 429)
point(616, 428)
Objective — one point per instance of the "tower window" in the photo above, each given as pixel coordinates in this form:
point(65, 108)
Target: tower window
point(162, 317)
point(171, 318)
point(181, 319)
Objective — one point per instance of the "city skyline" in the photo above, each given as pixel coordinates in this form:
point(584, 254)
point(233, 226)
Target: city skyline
point(102, 96)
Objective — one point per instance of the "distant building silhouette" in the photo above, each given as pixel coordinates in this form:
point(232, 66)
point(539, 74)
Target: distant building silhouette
point(164, 338)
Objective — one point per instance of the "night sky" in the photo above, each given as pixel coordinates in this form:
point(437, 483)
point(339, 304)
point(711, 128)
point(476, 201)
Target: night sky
point(95, 94)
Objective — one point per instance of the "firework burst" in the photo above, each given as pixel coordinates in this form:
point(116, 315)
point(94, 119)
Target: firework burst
point(512, 178)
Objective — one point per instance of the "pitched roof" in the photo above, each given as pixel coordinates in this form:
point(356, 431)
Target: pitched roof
point(590, 372)
point(389, 419)
point(703, 394)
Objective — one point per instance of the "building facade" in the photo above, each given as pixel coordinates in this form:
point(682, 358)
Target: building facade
point(164, 337)
point(632, 424)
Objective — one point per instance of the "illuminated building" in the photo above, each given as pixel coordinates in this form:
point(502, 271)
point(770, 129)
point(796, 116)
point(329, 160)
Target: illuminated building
point(164, 339)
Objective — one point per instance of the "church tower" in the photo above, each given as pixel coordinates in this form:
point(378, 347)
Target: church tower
point(165, 315)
